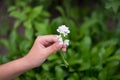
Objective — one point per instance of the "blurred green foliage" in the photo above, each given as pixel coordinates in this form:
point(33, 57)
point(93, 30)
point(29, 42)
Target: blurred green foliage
point(94, 51)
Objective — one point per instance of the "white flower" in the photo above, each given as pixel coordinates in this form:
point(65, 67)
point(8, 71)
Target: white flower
point(66, 42)
point(60, 39)
point(63, 30)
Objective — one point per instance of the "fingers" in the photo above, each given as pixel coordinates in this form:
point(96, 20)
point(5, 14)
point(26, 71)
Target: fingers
point(54, 48)
point(64, 48)
point(48, 38)
point(55, 39)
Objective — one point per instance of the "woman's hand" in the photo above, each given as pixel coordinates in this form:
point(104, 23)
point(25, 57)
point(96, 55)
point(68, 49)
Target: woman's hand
point(42, 48)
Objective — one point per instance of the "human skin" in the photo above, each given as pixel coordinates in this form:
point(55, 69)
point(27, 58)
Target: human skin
point(41, 49)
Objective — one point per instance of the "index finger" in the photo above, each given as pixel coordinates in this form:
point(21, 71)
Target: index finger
point(48, 38)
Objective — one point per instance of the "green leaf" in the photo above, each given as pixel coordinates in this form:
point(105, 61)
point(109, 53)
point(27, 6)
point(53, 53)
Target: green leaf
point(86, 43)
point(25, 45)
point(103, 75)
point(35, 12)
point(5, 43)
point(12, 8)
point(29, 33)
point(28, 24)
point(75, 76)
point(113, 4)
point(115, 57)
point(18, 14)
point(85, 46)
point(109, 51)
point(55, 23)
point(16, 24)
point(59, 73)
point(13, 40)
point(85, 66)
point(42, 27)
point(60, 9)
point(84, 30)
point(46, 67)
point(116, 77)
point(89, 78)
point(53, 57)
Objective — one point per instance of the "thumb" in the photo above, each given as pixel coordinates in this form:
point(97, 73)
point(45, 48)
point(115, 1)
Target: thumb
point(54, 48)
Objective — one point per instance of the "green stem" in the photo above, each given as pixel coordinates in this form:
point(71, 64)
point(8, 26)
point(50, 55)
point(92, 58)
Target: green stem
point(63, 58)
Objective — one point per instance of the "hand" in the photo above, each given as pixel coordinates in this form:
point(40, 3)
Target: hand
point(42, 48)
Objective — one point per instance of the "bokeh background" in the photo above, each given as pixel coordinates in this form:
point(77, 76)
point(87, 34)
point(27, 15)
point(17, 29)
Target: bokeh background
point(94, 50)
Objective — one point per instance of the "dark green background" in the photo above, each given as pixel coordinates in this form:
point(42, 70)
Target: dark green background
point(94, 51)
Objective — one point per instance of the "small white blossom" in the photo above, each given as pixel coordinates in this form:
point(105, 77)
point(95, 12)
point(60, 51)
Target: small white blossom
point(66, 42)
point(63, 30)
point(60, 39)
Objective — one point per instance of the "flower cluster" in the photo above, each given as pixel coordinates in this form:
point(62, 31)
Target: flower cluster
point(64, 31)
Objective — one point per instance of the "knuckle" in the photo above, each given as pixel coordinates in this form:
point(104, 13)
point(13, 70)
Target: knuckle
point(39, 37)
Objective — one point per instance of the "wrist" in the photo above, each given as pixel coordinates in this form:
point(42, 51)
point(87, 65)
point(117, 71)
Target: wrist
point(27, 63)
point(34, 61)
